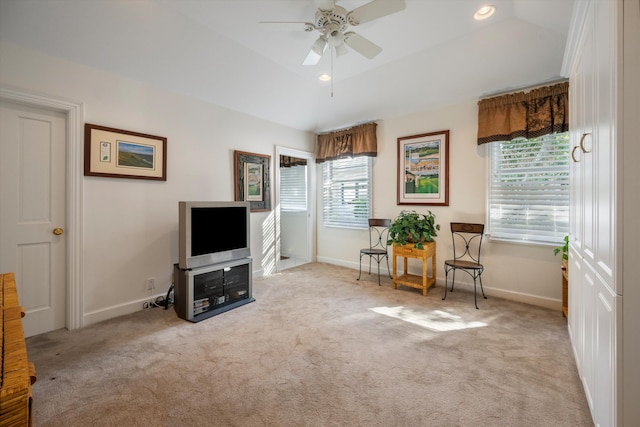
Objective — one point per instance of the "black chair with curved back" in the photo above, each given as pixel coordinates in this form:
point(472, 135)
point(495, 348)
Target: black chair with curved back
point(377, 250)
point(467, 243)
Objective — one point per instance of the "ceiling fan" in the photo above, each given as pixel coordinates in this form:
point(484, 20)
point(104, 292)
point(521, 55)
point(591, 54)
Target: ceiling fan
point(332, 22)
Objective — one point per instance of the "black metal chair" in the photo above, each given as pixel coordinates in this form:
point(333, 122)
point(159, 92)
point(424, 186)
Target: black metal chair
point(467, 243)
point(378, 236)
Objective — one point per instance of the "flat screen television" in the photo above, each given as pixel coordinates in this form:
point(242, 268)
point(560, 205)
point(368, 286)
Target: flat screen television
point(212, 232)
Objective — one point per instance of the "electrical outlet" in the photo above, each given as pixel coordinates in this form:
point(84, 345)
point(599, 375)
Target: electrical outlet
point(151, 283)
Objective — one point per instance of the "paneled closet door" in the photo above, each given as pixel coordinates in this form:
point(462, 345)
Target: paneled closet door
point(588, 323)
point(603, 150)
point(582, 100)
point(582, 277)
point(587, 175)
point(576, 309)
point(576, 114)
point(581, 225)
point(607, 334)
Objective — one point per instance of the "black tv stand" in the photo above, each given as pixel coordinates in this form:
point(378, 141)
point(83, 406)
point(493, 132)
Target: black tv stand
point(203, 292)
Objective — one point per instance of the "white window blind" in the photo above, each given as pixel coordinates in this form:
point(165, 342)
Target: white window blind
point(346, 193)
point(528, 196)
point(293, 188)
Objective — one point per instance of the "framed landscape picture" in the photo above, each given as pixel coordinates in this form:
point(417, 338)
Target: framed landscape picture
point(423, 169)
point(251, 178)
point(118, 153)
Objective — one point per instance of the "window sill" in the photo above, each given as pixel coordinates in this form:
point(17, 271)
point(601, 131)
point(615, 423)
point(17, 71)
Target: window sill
point(522, 242)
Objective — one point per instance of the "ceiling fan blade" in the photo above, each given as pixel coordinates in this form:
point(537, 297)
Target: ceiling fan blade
point(361, 45)
point(288, 26)
point(325, 4)
point(314, 55)
point(374, 10)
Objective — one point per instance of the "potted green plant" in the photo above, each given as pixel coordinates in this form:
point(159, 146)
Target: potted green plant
point(564, 249)
point(413, 227)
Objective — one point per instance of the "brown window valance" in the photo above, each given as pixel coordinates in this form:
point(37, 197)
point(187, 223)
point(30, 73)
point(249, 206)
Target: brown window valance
point(289, 161)
point(539, 112)
point(359, 140)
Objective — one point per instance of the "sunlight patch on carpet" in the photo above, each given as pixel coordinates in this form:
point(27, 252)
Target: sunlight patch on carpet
point(435, 320)
point(269, 244)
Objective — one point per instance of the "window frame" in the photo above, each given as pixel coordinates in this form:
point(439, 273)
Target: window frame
point(362, 223)
point(551, 236)
point(301, 181)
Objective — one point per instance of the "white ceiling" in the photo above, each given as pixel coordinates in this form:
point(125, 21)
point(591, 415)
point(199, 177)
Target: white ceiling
point(434, 53)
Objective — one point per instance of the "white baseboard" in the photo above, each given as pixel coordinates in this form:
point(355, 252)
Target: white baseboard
point(117, 310)
point(356, 266)
point(553, 304)
point(131, 307)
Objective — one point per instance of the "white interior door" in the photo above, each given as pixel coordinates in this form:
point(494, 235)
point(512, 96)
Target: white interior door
point(32, 211)
point(295, 228)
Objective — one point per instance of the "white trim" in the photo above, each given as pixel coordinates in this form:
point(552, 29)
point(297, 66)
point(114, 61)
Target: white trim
point(117, 310)
point(350, 264)
point(550, 303)
point(575, 34)
point(538, 301)
point(74, 181)
point(311, 198)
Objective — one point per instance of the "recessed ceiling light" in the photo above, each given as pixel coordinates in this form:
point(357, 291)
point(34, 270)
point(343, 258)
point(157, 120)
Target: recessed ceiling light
point(484, 12)
point(324, 78)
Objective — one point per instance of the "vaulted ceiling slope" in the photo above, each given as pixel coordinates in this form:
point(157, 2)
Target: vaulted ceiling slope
point(433, 52)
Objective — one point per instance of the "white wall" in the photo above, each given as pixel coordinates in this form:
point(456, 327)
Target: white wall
point(515, 271)
point(131, 226)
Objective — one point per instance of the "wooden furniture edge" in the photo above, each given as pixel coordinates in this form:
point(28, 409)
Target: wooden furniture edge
point(17, 374)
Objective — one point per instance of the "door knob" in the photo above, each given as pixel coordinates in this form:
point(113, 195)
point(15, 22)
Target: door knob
point(58, 231)
point(584, 150)
point(573, 152)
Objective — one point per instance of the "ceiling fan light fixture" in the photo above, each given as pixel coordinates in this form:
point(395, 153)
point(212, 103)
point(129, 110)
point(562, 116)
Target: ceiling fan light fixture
point(341, 49)
point(484, 12)
point(319, 46)
point(314, 55)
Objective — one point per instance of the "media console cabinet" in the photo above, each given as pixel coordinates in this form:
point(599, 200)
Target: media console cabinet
point(203, 292)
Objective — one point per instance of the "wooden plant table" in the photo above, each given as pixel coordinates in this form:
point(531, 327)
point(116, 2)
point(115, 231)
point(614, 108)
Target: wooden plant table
point(408, 251)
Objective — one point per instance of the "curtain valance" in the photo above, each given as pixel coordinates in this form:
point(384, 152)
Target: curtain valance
point(359, 140)
point(289, 161)
point(539, 112)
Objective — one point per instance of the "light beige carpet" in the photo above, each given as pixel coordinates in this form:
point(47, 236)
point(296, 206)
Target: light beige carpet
point(316, 348)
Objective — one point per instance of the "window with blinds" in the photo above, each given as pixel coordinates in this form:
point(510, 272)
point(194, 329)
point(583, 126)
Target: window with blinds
point(346, 192)
point(293, 188)
point(528, 192)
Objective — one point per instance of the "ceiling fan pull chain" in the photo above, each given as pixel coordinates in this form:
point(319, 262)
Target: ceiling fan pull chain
point(332, 76)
